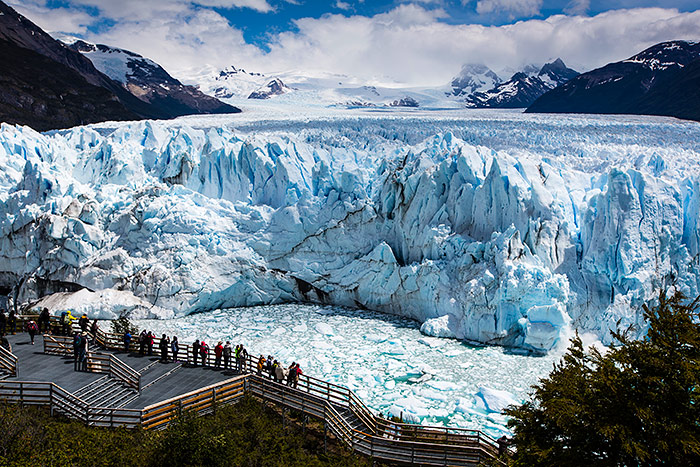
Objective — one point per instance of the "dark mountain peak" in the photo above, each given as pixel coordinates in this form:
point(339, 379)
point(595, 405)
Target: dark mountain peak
point(519, 76)
point(47, 85)
point(661, 80)
point(557, 72)
point(473, 77)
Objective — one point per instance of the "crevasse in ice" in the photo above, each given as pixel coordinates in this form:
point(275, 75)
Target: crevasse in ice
point(498, 227)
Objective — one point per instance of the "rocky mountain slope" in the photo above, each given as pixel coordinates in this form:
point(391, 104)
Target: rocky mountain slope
point(661, 80)
point(522, 89)
point(47, 85)
point(149, 82)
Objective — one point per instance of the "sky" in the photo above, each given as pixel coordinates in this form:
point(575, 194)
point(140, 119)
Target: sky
point(390, 42)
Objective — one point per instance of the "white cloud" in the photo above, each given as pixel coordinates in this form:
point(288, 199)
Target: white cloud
point(511, 8)
point(342, 5)
point(60, 19)
point(409, 44)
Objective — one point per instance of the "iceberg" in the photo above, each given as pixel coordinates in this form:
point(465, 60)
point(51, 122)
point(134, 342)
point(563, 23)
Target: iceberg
point(491, 227)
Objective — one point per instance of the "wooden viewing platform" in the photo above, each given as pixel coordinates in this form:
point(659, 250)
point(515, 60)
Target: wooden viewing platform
point(127, 389)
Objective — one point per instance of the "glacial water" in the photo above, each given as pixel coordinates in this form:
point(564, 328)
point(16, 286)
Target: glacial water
point(378, 356)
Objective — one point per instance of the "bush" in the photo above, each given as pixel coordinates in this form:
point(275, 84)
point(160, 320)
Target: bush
point(638, 404)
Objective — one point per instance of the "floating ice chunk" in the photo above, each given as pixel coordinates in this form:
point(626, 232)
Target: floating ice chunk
point(431, 342)
point(438, 327)
point(279, 331)
point(390, 384)
point(325, 329)
point(443, 385)
point(494, 400)
point(300, 328)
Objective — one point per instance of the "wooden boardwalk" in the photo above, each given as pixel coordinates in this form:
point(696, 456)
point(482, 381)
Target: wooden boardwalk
point(121, 389)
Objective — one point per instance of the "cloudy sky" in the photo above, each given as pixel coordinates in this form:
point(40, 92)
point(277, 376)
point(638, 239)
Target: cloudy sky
point(417, 42)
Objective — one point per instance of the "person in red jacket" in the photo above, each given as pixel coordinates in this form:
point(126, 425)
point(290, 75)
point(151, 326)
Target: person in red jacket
point(218, 351)
point(204, 352)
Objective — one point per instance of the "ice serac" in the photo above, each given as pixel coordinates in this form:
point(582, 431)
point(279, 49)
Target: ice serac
point(492, 242)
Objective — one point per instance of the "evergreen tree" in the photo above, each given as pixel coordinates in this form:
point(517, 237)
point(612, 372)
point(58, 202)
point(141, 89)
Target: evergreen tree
point(637, 404)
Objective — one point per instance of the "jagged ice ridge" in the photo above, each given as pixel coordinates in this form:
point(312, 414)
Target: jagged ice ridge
point(499, 228)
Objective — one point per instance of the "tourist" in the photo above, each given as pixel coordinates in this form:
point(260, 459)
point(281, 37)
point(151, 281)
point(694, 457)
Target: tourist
point(3, 322)
point(163, 345)
point(275, 366)
point(261, 365)
point(83, 351)
point(44, 320)
point(196, 347)
point(204, 353)
point(269, 369)
point(227, 354)
point(279, 372)
point(83, 323)
point(297, 373)
point(149, 342)
point(175, 348)
point(12, 322)
point(218, 352)
point(290, 373)
point(127, 340)
point(142, 342)
point(76, 350)
point(93, 330)
point(243, 357)
point(32, 329)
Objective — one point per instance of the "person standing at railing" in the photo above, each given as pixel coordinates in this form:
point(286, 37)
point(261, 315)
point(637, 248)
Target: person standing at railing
point(196, 347)
point(44, 319)
point(297, 373)
point(175, 347)
point(243, 356)
point(32, 329)
point(93, 331)
point(127, 340)
point(290, 373)
point(204, 352)
point(227, 355)
point(83, 323)
point(76, 351)
point(261, 364)
point(269, 369)
point(142, 342)
point(83, 352)
point(163, 345)
point(149, 341)
point(218, 353)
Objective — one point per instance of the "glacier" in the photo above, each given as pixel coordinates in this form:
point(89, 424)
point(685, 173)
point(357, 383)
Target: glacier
point(493, 227)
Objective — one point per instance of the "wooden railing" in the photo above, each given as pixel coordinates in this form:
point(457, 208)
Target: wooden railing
point(8, 362)
point(201, 401)
point(97, 362)
point(61, 401)
point(376, 437)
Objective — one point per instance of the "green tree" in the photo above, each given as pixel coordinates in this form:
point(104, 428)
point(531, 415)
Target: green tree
point(637, 404)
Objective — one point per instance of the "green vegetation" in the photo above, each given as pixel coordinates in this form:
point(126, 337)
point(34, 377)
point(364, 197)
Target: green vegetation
point(637, 404)
point(246, 434)
point(122, 324)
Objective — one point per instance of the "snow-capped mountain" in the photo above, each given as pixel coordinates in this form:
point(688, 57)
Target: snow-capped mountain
point(474, 78)
point(231, 82)
point(274, 87)
point(523, 88)
point(148, 81)
point(662, 80)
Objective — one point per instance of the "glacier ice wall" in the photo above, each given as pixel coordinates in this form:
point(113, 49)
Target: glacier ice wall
point(507, 230)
